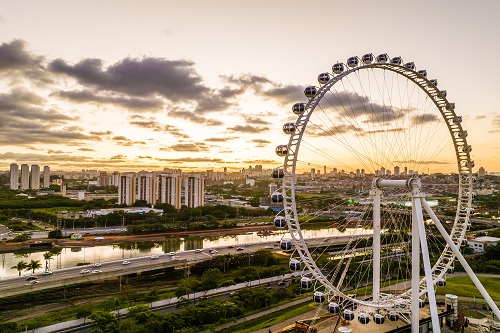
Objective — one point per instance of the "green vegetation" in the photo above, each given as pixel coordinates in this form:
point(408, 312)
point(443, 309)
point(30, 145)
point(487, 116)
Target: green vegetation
point(462, 286)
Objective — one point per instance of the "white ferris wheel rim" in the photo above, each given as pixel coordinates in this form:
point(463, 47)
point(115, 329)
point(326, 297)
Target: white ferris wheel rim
point(464, 170)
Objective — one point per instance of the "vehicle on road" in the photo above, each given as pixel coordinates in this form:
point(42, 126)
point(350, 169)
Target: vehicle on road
point(172, 253)
point(240, 249)
point(95, 271)
point(34, 282)
point(97, 264)
point(99, 238)
point(198, 250)
point(84, 271)
point(230, 247)
point(46, 272)
point(32, 277)
point(126, 262)
point(154, 256)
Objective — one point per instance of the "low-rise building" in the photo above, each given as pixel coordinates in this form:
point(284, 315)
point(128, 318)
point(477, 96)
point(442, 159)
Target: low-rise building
point(479, 244)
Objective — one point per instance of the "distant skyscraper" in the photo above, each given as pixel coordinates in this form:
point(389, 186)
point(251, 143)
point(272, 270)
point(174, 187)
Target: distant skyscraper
point(127, 188)
point(324, 170)
point(103, 179)
point(25, 177)
point(313, 173)
point(35, 177)
point(146, 187)
point(194, 190)
point(362, 173)
point(170, 188)
point(46, 177)
point(406, 170)
point(14, 176)
point(358, 173)
point(396, 171)
point(481, 172)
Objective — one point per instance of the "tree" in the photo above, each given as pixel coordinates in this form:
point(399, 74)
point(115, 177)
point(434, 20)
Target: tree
point(210, 278)
point(20, 266)
point(83, 312)
point(55, 233)
point(102, 319)
point(33, 265)
point(48, 257)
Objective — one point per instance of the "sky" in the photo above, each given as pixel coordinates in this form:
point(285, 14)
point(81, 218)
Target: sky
point(199, 85)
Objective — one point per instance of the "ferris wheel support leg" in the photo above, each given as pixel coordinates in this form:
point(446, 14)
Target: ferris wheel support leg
point(461, 258)
point(427, 267)
point(415, 272)
point(376, 245)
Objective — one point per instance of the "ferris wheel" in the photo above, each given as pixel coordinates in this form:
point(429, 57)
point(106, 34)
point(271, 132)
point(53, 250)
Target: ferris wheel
point(383, 157)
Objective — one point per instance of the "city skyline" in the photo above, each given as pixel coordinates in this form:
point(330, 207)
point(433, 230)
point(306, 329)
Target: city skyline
point(156, 84)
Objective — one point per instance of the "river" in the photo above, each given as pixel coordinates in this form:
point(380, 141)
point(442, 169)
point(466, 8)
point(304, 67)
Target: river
point(70, 257)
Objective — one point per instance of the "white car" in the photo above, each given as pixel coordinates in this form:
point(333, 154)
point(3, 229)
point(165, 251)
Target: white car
point(198, 250)
point(154, 256)
point(126, 262)
point(172, 253)
point(95, 271)
point(97, 264)
point(84, 271)
point(46, 272)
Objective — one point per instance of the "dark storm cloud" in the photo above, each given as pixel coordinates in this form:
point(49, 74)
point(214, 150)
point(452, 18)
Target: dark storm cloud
point(133, 103)
point(187, 147)
point(23, 121)
point(175, 80)
point(352, 105)
point(267, 88)
point(248, 129)
point(15, 58)
point(194, 117)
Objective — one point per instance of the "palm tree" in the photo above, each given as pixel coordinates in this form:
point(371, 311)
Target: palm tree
point(20, 266)
point(34, 264)
point(48, 257)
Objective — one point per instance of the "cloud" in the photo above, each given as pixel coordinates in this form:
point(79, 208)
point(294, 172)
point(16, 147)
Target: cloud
point(154, 125)
point(191, 160)
point(194, 117)
point(222, 139)
point(255, 120)
point(248, 129)
point(131, 103)
point(424, 118)
point(50, 151)
point(260, 142)
point(187, 147)
point(15, 58)
point(86, 149)
point(479, 117)
point(146, 78)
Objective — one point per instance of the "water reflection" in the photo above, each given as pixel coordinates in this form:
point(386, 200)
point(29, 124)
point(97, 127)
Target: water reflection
point(70, 257)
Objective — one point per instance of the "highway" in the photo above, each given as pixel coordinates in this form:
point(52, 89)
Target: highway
point(67, 276)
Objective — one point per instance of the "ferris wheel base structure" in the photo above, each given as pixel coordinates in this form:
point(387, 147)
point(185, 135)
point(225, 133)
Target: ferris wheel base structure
point(375, 114)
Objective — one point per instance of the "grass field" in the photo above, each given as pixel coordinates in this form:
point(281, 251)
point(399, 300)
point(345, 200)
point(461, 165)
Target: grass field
point(462, 286)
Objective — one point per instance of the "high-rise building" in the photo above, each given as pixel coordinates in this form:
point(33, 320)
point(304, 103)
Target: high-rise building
point(115, 178)
point(272, 188)
point(25, 177)
point(396, 171)
point(146, 187)
point(35, 177)
point(194, 190)
point(362, 173)
point(127, 188)
point(358, 173)
point(103, 179)
point(170, 188)
point(14, 176)
point(46, 176)
point(481, 172)
point(313, 173)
